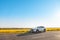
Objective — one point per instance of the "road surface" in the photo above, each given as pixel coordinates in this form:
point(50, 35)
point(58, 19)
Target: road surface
point(38, 36)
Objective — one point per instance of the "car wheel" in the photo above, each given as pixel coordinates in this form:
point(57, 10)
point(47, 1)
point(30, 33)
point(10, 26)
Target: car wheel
point(44, 30)
point(37, 31)
point(31, 30)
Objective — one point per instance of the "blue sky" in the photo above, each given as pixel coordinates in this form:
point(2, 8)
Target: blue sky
point(29, 13)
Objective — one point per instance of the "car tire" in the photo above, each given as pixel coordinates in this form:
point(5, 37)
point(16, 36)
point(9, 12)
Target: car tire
point(31, 30)
point(37, 31)
point(44, 30)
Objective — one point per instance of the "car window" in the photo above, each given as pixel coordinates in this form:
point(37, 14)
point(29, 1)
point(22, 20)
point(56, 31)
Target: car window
point(40, 27)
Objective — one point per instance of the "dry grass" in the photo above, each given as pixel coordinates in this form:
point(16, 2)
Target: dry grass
point(52, 29)
point(22, 30)
point(14, 30)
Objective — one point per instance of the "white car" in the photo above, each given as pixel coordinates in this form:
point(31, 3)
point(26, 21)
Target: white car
point(38, 29)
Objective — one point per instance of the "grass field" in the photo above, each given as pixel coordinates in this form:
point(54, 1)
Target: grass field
point(14, 30)
point(23, 30)
point(52, 29)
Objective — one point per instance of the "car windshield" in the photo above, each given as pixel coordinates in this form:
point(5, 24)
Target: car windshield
point(40, 27)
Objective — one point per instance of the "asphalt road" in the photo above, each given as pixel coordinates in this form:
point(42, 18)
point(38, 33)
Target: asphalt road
point(38, 36)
